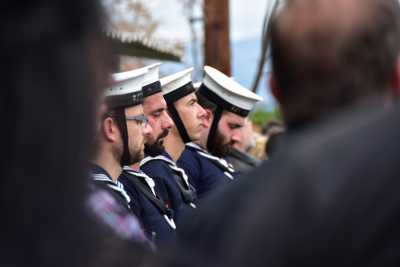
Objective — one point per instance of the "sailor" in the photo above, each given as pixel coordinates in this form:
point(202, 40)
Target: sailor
point(188, 117)
point(150, 191)
point(122, 118)
point(242, 143)
point(170, 181)
point(227, 104)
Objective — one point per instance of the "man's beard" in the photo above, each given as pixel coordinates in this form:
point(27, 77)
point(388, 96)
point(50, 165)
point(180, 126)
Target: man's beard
point(135, 157)
point(219, 147)
point(157, 148)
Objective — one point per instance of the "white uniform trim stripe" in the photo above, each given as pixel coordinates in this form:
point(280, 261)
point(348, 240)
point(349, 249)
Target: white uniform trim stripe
point(220, 161)
point(116, 186)
point(172, 165)
point(150, 182)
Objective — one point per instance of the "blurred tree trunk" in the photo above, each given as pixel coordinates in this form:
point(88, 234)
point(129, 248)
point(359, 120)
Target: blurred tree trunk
point(217, 43)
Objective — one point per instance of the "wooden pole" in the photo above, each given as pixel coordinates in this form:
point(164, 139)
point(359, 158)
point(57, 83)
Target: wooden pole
point(217, 43)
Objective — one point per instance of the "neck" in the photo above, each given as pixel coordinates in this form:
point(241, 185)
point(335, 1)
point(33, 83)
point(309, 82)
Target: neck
point(135, 166)
point(203, 139)
point(174, 145)
point(109, 164)
point(203, 143)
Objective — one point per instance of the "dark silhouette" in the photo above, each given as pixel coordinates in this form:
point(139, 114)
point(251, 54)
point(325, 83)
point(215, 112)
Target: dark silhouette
point(54, 67)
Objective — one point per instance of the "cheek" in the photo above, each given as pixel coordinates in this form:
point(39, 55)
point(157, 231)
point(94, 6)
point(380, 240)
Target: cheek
point(223, 128)
point(185, 117)
point(152, 122)
point(194, 119)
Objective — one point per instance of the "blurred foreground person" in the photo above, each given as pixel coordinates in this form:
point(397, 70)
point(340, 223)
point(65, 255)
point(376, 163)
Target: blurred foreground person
point(55, 65)
point(330, 202)
point(273, 132)
point(329, 56)
point(227, 104)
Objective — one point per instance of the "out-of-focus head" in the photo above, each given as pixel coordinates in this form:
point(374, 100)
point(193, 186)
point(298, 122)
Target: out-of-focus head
point(227, 104)
point(242, 137)
point(329, 54)
point(54, 67)
point(124, 125)
point(155, 109)
point(183, 107)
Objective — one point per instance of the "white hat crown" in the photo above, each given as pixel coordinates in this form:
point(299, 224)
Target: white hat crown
point(229, 90)
point(152, 74)
point(175, 81)
point(127, 82)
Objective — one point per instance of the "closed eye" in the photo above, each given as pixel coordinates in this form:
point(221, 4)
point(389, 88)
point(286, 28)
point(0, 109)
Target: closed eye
point(234, 126)
point(192, 101)
point(157, 113)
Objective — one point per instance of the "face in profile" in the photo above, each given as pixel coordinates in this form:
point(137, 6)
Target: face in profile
point(155, 109)
point(242, 140)
point(229, 132)
point(192, 115)
point(137, 130)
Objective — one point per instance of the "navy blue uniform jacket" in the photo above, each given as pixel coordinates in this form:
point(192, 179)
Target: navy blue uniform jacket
point(159, 169)
point(156, 225)
point(206, 172)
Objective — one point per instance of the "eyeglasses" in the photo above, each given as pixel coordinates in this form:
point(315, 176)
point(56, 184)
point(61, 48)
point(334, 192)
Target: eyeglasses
point(140, 119)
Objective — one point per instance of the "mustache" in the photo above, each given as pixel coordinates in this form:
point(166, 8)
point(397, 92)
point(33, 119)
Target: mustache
point(163, 134)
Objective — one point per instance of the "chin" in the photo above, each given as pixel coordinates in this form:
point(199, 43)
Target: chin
point(195, 138)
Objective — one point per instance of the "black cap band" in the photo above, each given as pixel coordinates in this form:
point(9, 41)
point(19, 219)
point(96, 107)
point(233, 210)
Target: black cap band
point(220, 102)
point(126, 100)
point(179, 93)
point(151, 89)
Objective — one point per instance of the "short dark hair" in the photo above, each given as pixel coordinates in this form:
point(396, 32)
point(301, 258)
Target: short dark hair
point(330, 64)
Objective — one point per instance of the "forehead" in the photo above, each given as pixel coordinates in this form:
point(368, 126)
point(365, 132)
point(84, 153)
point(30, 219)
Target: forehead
point(230, 117)
point(155, 101)
point(186, 98)
point(134, 110)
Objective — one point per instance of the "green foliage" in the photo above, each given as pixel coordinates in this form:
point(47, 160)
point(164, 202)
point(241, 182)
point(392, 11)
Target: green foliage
point(260, 116)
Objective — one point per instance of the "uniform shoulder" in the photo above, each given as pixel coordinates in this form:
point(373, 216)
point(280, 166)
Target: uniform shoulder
point(155, 167)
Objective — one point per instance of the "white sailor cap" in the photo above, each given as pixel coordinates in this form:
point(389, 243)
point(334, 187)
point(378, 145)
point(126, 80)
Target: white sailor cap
point(226, 93)
point(151, 83)
point(177, 85)
point(126, 89)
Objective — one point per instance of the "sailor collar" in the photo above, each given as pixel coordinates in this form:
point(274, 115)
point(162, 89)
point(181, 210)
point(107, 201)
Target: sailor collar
point(150, 182)
point(100, 175)
point(181, 172)
point(220, 162)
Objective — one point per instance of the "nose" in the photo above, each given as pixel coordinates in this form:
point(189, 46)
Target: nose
point(167, 121)
point(201, 114)
point(147, 129)
point(236, 137)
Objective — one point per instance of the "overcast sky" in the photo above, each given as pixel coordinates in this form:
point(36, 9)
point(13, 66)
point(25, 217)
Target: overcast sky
point(246, 18)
